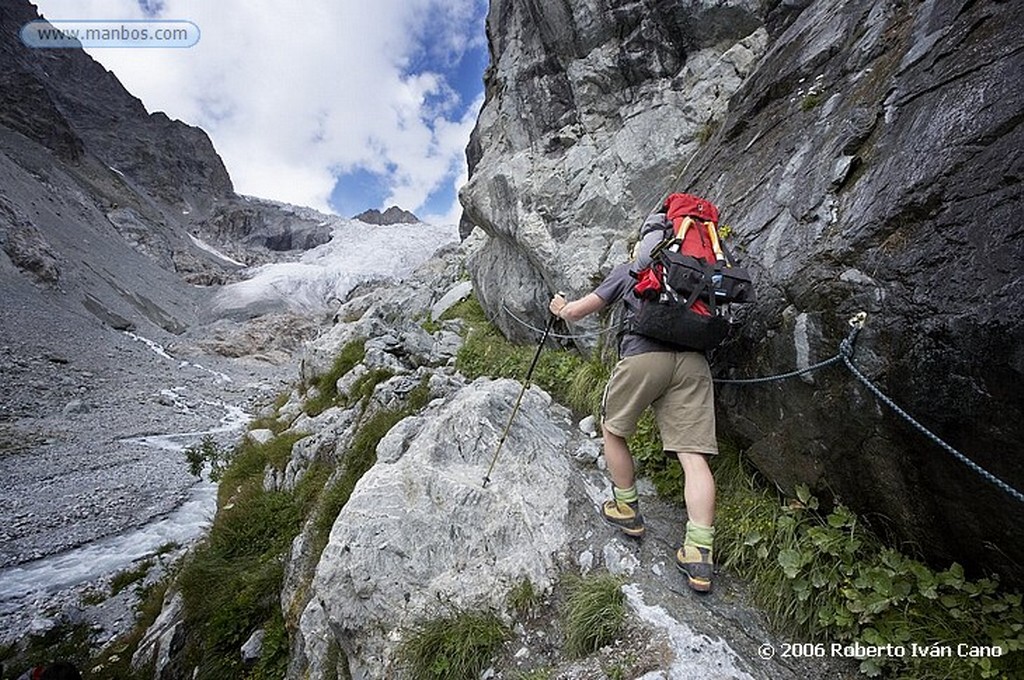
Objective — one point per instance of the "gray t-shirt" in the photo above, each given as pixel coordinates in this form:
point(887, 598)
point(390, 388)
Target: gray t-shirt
point(618, 286)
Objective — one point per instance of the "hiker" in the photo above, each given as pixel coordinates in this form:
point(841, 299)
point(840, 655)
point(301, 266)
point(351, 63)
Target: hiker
point(678, 384)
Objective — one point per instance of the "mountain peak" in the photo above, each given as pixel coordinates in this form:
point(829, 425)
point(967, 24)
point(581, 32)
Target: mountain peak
point(393, 215)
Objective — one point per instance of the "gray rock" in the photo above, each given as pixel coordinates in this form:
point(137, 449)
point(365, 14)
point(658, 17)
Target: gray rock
point(253, 647)
point(380, 569)
point(393, 215)
point(579, 134)
point(446, 347)
point(458, 292)
point(163, 638)
point(261, 436)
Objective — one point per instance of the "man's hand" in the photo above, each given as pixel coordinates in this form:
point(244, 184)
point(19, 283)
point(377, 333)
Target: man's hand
point(577, 309)
point(557, 304)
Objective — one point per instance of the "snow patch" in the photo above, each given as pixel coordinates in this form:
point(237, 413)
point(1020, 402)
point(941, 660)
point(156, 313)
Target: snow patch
point(203, 245)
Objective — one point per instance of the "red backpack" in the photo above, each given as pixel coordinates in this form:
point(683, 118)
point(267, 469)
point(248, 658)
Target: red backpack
point(689, 279)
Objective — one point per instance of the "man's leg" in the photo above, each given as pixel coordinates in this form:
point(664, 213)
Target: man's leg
point(634, 384)
point(619, 459)
point(695, 558)
point(624, 509)
point(698, 488)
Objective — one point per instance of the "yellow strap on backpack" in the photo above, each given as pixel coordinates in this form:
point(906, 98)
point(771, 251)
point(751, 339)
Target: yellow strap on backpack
point(715, 244)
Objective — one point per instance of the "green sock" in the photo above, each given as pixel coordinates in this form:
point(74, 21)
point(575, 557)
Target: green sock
point(699, 536)
point(625, 495)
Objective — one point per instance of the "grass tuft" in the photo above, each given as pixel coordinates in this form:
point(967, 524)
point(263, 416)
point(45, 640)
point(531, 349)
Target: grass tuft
point(593, 613)
point(326, 384)
point(123, 579)
point(454, 647)
point(523, 598)
point(562, 373)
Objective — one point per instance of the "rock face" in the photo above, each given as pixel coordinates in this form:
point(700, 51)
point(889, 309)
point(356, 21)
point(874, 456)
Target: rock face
point(591, 107)
point(378, 569)
point(867, 157)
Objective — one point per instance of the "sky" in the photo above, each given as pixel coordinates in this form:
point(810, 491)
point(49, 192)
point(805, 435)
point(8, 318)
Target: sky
point(339, 105)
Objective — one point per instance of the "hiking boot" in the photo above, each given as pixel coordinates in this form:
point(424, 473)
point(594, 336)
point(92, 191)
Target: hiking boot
point(698, 566)
point(626, 516)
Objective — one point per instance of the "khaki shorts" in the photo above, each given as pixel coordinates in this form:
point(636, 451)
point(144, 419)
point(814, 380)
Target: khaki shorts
point(677, 385)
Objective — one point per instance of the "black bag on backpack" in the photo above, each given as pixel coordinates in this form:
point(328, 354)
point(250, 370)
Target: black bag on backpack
point(689, 278)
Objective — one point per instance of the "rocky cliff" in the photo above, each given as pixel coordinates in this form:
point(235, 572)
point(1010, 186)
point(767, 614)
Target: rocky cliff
point(867, 156)
point(108, 209)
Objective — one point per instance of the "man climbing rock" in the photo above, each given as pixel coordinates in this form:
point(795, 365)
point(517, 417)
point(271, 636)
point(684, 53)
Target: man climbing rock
point(677, 384)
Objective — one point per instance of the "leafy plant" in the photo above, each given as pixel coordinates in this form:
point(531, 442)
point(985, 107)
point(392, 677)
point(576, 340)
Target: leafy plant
point(593, 613)
point(206, 452)
point(824, 576)
point(458, 646)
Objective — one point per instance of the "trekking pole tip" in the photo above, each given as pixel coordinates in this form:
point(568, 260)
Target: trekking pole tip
point(486, 481)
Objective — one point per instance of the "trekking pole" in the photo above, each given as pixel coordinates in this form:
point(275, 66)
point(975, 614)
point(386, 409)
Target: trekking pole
point(519, 399)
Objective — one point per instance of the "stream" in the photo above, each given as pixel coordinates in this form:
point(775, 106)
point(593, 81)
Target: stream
point(29, 589)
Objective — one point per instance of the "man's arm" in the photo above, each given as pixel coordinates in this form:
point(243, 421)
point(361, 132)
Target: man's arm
point(577, 309)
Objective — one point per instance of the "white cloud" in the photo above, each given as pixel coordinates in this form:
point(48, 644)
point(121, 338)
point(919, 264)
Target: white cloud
point(294, 94)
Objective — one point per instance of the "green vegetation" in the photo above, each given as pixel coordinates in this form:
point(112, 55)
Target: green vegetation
point(362, 389)
point(231, 583)
point(206, 451)
point(825, 577)
point(458, 646)
point(563, 373)
point(523, 599)
point(593, 613)
point(326, 384)
point(125, 578)
point(428, 323)
point(247, 458)
point(811, 100)
point(273, 422)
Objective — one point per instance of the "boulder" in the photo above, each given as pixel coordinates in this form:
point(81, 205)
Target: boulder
point(382, 568)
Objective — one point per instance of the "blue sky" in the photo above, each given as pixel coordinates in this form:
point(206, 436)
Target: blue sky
point(341, 105)
point(463, 73)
